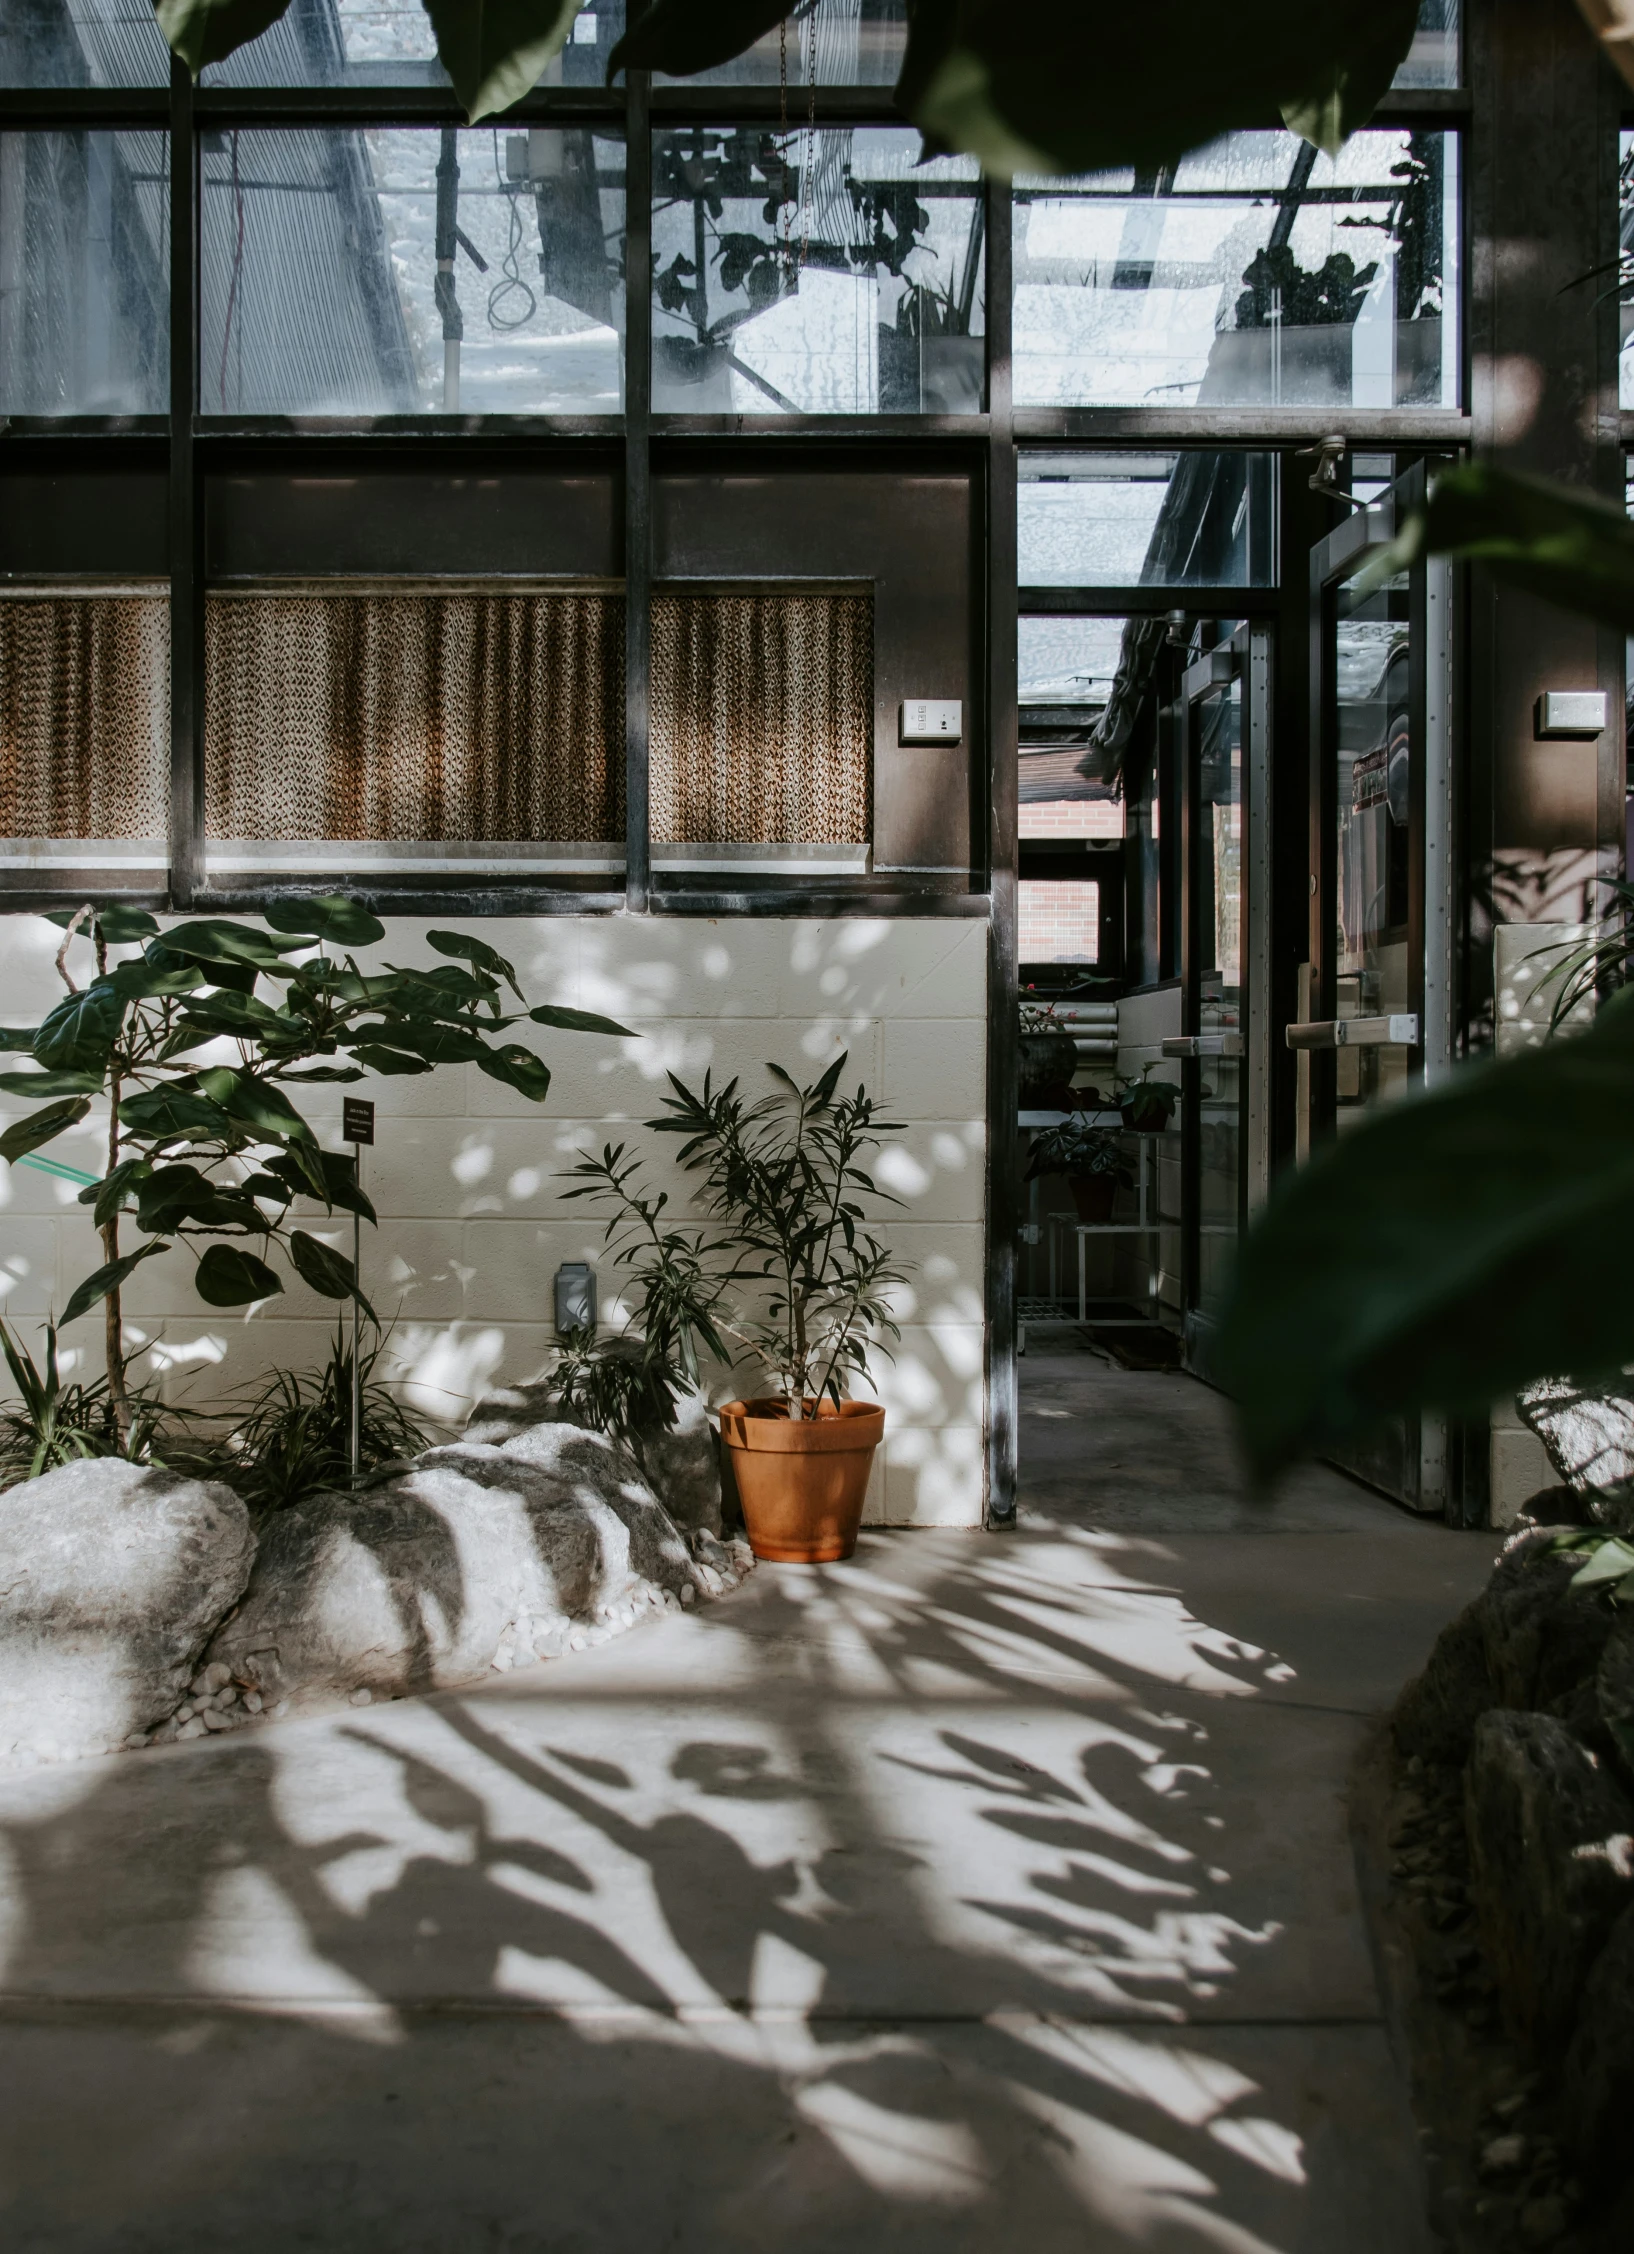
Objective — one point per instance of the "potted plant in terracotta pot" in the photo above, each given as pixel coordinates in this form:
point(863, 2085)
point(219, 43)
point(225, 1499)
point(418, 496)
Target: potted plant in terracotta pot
point(781, 1269)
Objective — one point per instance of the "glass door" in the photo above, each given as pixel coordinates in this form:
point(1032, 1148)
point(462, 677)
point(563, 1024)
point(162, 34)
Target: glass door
point(1222, 1050)
point(1376, 993)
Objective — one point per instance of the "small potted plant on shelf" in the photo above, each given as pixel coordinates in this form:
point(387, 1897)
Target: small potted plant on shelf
point(1092, 1162)
point(1147, 1105)
point(781, 1268)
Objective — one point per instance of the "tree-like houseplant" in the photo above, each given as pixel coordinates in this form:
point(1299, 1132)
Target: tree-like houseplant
point(211, 1151)
point(780, 1268)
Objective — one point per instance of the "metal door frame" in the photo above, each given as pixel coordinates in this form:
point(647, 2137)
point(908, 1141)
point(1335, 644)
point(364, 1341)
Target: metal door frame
point(1432, 927)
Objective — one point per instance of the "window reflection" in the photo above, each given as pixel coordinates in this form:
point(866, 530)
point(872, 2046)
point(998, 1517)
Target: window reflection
point(407, 270)
point(1374, 789)
point(84, 274)
point(1100, 519)
point(814, 272)
point(82, 43)
point(1257, 272)
point(1433, 59)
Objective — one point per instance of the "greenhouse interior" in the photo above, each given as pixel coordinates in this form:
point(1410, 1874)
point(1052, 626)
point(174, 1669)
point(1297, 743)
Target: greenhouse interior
point(955, 682)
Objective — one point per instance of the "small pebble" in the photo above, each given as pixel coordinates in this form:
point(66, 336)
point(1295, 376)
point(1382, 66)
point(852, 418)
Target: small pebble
point(253, 1701)
point(136, 1738)
point(689, 1594)
point(191, 1728)
point(362, 1698)
point(213, 1720)
point(578, 1640)
point(227, 1697)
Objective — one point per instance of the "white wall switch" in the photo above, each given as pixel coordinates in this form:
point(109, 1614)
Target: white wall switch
point(1570, 712)
point(930, 720)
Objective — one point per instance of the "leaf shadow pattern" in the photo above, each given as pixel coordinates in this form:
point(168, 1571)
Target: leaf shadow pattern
point(902, 1922)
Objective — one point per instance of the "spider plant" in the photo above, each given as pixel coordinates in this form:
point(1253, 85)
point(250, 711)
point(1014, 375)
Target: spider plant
point(59, 1421)
point(292, 1435)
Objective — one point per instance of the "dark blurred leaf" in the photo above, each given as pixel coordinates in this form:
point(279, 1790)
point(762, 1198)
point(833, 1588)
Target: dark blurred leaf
point(243, 1017)
point(17, 1040)
point(518, 1068)
point(686, 36)
point(1443, 1253)
point(24, 1135)
point(320, 1072)
point(173, 1194)
point(495, 50)
point(577, 1021)
point(253, 1102)
point(330, 917)
point(105, 1279)
point(1563, 545)
point(301, 1166)
point(80, 1032)
point(51, 1083)
point(118, 925)
point(147, 979)
point(107, 1197)
point(228, 1276)
point(325, 1269)
point(477, 952)
point(204, 31)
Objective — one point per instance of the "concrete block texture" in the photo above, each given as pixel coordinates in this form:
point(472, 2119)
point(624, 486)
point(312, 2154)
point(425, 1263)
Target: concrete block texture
point(470, 1181)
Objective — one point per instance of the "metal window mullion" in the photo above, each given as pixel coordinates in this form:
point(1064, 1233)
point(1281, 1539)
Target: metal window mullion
point(1003, 1133)
point(637, 493)
point(186, 529)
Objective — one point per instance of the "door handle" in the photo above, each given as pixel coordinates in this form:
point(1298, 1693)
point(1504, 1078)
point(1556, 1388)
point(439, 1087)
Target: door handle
point(1399, 1032)
point(1203, 1045)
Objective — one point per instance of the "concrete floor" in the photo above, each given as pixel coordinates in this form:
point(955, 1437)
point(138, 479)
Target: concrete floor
point(983, 1893)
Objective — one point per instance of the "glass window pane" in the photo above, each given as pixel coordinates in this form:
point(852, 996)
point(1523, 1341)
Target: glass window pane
point(1060, 922)
point(1126, 520)
point(1067, 660)
point(1373, 797)
point(1258, 273)
point(390, 43)
point(84, 274)
point(321, 277)
point(82, 43)
point(1433, 58)
point(815, 273)
point(852, 42)
point(1625, 242)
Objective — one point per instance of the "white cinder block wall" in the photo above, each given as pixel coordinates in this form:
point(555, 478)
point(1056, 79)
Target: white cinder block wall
point(467, 1177)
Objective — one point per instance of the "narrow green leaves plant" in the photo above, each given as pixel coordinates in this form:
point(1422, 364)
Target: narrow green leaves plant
point(213, 1155)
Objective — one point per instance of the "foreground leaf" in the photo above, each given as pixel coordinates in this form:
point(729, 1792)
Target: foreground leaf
point(244, 1097)
point(171, 1113)
point(1556, 542)
point(79, 1033)
point(24, 1135)
point(682, 37)
point(236, 945)
point(518, 1068)
point(117, 925)
point(228, 1276)
point(476, 952)
point(50, 1083)
point(105, 1279)
point(206, 31)
point(1444, 1253)
point(495, 50)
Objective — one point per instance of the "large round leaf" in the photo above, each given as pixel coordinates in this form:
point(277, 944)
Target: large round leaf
point(214, 940)
point(328, 1272)
point(79, 1033)
point(228, 1276)
point(329, 916)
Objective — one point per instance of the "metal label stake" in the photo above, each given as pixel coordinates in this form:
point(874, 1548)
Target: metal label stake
point(357, 1125)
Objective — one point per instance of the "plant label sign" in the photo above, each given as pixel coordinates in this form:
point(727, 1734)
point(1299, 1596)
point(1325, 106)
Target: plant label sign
point(357, 1120)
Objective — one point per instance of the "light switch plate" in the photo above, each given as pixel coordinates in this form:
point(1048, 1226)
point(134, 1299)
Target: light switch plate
point(1570, 712)
point(930, 720)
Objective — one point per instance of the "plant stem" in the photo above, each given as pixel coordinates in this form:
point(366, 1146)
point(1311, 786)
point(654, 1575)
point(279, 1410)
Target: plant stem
point(113, 1325)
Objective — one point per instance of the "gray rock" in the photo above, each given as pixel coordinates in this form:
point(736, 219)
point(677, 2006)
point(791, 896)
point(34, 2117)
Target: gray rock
point(1597, 2087)
point(681, 1462)
point(112, 1579)
point(417, 1583)
point(1526, 1640)
point(1551, 1837)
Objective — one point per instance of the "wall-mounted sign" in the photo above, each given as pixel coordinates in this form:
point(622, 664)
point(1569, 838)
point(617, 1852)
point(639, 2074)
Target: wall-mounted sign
point(930, 720)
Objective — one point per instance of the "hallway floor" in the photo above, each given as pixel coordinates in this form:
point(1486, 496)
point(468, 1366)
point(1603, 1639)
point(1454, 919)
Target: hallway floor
point(982, 1893)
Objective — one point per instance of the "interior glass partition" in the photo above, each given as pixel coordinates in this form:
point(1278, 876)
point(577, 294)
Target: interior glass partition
point(1104, 519)
point(411, 270)
point(1257, 272)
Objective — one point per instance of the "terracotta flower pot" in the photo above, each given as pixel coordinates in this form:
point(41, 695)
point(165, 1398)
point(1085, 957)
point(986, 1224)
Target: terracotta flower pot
point(1092, 1194)
point(802, 1485)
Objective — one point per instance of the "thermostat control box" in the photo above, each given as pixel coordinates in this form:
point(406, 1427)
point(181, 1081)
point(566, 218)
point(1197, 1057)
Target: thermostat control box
point(930, 720)
point(1570, 712)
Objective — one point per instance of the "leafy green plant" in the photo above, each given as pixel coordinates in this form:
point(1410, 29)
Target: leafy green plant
point(1147, 1105)
point(55, 1422)
point(1075, 1147)
point(293, 1435)
point(214, 1156)
point(782, 1242)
